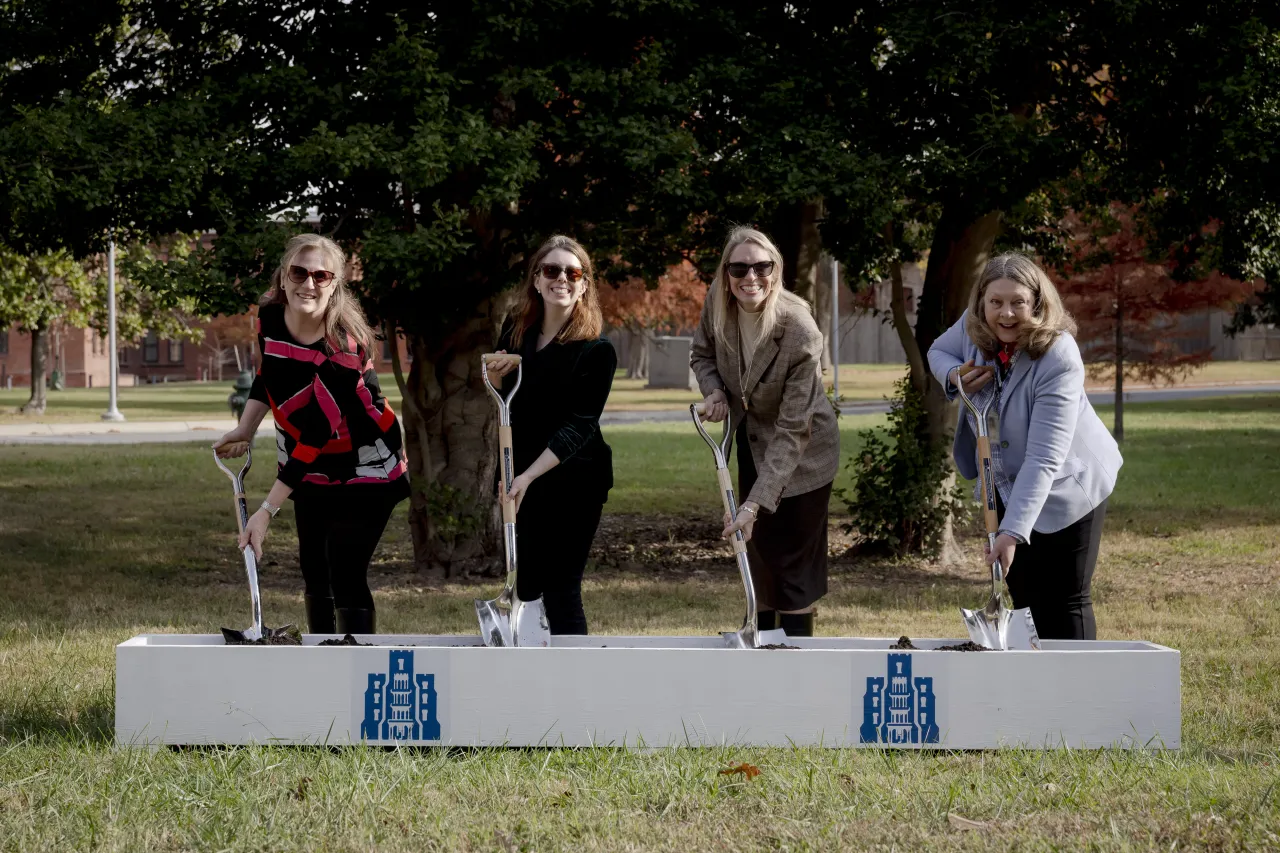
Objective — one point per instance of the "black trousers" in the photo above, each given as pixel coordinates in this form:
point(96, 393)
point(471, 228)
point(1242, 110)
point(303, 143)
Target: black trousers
point(554, 531)
point(1052, 575)
point(788, 547)
point(336, 539)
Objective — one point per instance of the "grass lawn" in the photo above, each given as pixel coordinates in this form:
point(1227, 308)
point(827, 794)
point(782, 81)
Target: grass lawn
point(208, 400)
point(104, 543)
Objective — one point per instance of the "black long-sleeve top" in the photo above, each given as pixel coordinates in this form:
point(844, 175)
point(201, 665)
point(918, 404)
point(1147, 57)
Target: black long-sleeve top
point(558, 406)
point(334, 429)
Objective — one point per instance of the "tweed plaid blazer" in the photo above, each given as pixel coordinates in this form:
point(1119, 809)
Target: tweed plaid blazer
point(790, 423)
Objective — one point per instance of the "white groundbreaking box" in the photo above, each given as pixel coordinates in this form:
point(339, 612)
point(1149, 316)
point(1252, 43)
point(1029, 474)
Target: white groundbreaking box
point(645, 692)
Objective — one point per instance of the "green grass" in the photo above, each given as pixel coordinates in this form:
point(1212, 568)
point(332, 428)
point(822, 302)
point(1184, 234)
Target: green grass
point(102, 543)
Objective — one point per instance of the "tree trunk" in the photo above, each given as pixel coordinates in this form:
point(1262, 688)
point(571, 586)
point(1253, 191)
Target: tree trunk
point(39, 347)
point(1118, 431)
point(451, 438)
point(959, 251)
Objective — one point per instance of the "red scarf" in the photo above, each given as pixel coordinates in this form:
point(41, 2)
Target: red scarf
point(1006, 353)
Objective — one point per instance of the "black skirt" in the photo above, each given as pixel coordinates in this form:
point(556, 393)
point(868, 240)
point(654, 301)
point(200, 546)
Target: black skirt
point(788, 548)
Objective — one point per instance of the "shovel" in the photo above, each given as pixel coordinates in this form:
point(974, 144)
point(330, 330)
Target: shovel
point(749, 636)
point(506, 620)
point(995, 626)
point(255, 631)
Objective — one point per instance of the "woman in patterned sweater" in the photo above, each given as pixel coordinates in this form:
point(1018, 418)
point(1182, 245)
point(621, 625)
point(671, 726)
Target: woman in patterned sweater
point(338, 444)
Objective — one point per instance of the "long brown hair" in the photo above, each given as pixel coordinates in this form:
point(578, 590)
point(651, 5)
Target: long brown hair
point(1049, 316)
point(343, 315)
point(585, 323)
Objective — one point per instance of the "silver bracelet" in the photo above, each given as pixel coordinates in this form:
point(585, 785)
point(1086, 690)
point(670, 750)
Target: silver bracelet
point(271, 508)
point(748, 509)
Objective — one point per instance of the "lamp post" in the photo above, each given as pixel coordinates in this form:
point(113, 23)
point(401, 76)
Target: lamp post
point(112, 413)
point(835, 329)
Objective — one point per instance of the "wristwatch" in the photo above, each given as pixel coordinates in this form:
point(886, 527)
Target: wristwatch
point(271, 508)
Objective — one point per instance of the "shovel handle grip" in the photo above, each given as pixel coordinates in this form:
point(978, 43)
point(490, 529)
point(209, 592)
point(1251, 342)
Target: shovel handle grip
point(730, 507)
point(986, 482)
point(494, 356)
point(507, 472)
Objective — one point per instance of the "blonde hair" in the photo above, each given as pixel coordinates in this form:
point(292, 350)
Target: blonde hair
point(1049, 316)
point(722, 296)
point(585, 323)
point(342, 315)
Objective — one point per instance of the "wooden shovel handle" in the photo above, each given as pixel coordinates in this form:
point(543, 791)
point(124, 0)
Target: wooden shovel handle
point(986, 481)
point(494, 356)
point(506, 464)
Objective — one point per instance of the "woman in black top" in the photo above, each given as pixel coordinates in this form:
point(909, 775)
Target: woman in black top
point(338, 444)
point(566, 469)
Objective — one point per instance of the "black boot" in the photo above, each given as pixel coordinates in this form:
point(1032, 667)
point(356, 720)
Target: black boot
point(354, 620)
point(767, 620)
point(320, 615)
point(797, 624)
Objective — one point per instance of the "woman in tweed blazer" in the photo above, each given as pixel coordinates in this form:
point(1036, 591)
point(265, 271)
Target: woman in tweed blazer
point(1054, 462)
point(757, 356)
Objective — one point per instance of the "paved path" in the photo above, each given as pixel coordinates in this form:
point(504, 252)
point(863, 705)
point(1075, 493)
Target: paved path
point(161, 432)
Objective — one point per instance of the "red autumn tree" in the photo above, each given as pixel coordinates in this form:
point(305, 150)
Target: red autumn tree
point(1128, 304)
point(645, 312)
point(228, 339)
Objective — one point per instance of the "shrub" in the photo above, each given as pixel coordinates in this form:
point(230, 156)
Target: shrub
point(899, 502)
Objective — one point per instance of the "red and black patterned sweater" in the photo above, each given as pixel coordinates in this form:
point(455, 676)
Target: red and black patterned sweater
point(334, 430)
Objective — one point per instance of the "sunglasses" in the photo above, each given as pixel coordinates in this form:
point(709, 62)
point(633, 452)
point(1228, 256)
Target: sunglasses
point(764, 269)
point(322, 278)
point(552, 272)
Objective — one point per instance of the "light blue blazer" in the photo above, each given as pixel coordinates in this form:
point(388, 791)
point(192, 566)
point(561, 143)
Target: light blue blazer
point(1059, 456)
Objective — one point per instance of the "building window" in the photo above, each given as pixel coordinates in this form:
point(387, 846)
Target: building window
point(122, 356)
point(175, 352)
point(4, 342)
point(150, 349)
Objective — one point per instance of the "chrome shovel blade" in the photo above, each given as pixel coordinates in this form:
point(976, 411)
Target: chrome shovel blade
point(529, 625)
point(495, 622)
point(1008, 630)
point(749, 638)
point(987, 629)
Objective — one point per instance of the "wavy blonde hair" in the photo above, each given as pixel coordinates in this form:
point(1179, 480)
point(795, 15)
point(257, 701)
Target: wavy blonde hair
point(585, 323)
point(722, 296)
point(1049, 316)
point(343, 315)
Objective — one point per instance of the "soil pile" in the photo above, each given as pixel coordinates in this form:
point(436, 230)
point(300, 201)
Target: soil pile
point(905, 644)
point(347, 640)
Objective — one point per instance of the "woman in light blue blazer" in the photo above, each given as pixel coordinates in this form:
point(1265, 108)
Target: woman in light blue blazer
point(1054, 462)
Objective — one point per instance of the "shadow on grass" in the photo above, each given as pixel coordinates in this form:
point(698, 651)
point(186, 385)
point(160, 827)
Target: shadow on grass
point(45, 722)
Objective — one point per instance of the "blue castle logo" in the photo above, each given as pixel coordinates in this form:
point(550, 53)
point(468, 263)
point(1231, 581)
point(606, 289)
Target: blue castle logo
point(903, 713)
point(399, 705)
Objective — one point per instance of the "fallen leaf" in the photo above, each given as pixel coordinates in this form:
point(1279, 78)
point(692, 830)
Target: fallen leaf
point(300, 792)
point(964, 824)
point(748, 770)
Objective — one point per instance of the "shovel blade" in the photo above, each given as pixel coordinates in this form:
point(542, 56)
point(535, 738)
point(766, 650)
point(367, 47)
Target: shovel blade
point(744, 639)
point(1022, 633)
point(773, 637)
point(986, 630)
point(495, 623)
point(529, 625)
point(232, 637)
point(1011, 630)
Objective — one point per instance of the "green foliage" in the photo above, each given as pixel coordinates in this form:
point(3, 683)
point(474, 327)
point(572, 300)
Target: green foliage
point(897, 503)
point(40, 289)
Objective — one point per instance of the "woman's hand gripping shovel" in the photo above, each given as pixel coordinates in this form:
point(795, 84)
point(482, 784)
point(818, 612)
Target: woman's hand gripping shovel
point(995, 626)
point(506, 620)
point(749, 636)
point(255, 631)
